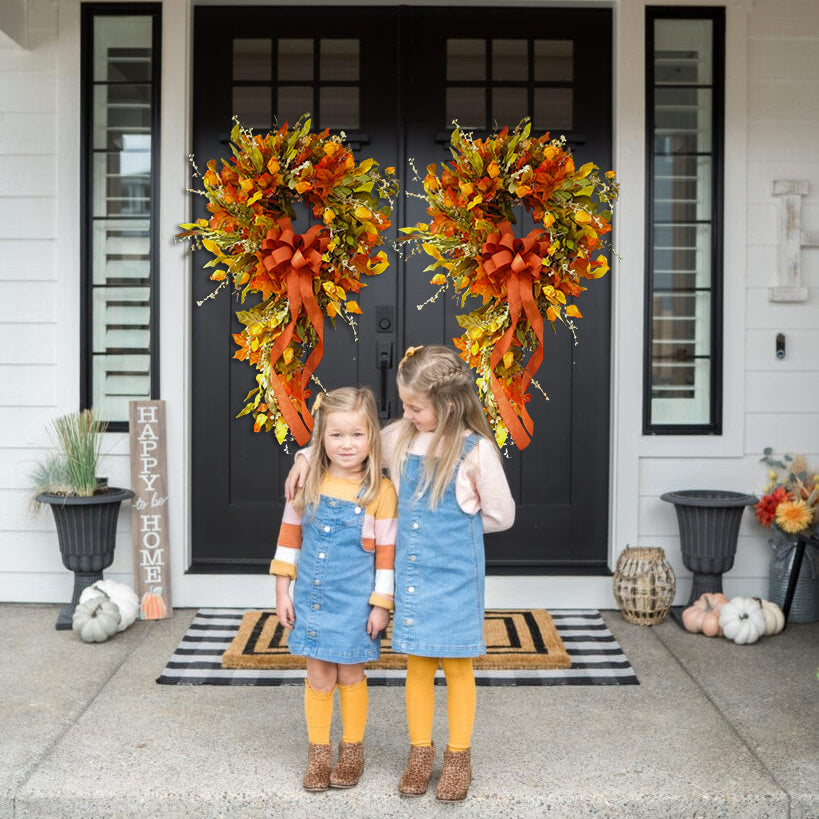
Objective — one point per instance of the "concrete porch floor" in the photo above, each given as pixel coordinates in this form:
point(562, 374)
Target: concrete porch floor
point(713, 730)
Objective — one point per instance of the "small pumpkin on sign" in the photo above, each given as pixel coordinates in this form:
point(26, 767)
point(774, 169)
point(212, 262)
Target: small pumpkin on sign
point(96, 619)
point(153, 606)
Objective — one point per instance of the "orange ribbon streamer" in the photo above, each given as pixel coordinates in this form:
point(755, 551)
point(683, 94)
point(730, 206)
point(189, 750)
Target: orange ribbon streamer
point(514, 264)
point(295, 260)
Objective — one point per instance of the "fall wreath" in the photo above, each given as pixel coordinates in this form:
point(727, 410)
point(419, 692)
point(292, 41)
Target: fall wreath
point(300, 277)
point(523, 282)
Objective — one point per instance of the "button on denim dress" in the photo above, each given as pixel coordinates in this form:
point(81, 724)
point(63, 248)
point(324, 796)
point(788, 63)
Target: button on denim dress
point(439, 571)
point(331, 593)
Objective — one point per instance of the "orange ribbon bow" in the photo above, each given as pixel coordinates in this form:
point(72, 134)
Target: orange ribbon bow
point(515, 264)
point(295, 259)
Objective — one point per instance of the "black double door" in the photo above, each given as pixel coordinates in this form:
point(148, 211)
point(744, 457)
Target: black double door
point(393, 79)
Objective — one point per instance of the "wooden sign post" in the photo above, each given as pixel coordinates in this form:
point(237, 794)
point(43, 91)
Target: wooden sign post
point(149, 509)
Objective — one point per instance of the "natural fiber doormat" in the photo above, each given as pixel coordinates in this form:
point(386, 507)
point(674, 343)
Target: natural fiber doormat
point(515, 639)
point(596, 657)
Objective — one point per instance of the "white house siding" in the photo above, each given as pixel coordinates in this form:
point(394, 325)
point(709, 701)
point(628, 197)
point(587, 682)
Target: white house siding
point(771, 119)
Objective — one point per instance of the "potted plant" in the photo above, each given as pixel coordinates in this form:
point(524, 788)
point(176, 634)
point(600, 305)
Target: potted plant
point(788, 508)
point(85, 508)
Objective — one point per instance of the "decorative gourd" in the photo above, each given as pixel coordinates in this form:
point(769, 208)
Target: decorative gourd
point(774, 616)
point(153, 606)
point(742, 620)
point(96, 619)
point(703, 614)
point(122, 594)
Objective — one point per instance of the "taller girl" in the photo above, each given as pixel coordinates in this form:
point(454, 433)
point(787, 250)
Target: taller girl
point(451, 489)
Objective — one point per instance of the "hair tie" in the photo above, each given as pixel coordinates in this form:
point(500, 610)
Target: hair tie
point(411, 351)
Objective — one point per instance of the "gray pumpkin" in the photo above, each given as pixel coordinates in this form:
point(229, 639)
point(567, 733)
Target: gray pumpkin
point(96, 619)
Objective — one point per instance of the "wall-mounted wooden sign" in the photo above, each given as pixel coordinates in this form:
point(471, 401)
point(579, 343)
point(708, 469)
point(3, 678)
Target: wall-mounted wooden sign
point(149, 509)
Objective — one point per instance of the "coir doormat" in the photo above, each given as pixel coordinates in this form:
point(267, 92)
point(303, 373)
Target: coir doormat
point(515, 639)
point(596, 657)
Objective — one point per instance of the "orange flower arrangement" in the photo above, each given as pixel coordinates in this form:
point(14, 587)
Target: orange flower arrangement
point(299, 277)
point(522, 282)
point(791, 497)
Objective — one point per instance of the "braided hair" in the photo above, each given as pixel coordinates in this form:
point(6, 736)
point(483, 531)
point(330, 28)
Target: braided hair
point(438, 374)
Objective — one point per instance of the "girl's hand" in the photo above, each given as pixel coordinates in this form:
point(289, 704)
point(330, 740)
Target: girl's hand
point(296, 478)
point(377, 621)
point(285, 612)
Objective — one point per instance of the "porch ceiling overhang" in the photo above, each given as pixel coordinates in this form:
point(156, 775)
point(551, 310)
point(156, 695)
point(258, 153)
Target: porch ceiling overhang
point(14, 23)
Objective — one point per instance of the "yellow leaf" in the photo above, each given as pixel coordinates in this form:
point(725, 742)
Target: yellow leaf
point(551, 313)
point(329, 215)
point(585, 170)
point(433, 251)
point(572, 311)
point(210, 245)
point(390, 169)
point(438, 278)
point(254, 345)
point(362, 214)
point(255, 198)
point(301, 187)
point(581, 217)
point(548, 220)
point(217, 275)
point(560, 296)
point(508, 359)
point(273, 165)
point(247, 184)
point(255, 328)
point(474, 348)
point(365, 165)
point(352, 307)
point(500, 434)
point(332, 309)
point(287, 355)
point(492, 169)
point(475, 201)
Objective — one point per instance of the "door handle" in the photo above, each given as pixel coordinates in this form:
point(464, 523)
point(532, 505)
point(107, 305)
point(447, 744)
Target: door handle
point(384, 353)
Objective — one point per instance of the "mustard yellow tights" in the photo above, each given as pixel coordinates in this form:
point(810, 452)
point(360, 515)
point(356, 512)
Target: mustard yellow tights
point(318, 711)
point(460, 699)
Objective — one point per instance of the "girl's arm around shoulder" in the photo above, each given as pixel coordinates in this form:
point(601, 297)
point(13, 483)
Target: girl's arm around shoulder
point(489, 482)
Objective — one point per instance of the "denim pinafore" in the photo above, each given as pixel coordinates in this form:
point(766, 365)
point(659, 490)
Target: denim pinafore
point(332, 591)
point(439, 571)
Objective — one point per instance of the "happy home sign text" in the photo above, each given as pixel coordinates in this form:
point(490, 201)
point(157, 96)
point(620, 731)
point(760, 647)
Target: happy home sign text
point(149, 509)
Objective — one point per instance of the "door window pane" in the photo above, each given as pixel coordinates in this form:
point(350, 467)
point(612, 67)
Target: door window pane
point(466, 60)
point(252, 59)
point(510, 60)
point(339, 107)
point(339, 60)
point(509, 105)
point(293, 102)
point(553, 109)
point(554, 60)
point(252, 105)
point(467, 105)
point(295, 59)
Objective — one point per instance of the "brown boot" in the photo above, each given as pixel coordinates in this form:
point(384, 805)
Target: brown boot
point(317, 775)
point(349, 765)
point(455, 777)
point(415, 779)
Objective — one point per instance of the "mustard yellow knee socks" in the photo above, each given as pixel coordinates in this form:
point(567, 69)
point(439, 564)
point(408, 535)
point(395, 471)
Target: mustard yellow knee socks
point(354, 701)
point(318, 712)
point(461, 699)
point(420, 698)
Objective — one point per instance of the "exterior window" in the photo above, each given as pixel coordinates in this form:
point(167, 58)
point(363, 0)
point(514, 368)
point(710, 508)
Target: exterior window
point(119, 212)
point(684, 108)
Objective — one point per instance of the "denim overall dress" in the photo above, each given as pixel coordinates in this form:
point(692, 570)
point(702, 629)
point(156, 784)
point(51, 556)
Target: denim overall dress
point(439, 571)
point(332, 591)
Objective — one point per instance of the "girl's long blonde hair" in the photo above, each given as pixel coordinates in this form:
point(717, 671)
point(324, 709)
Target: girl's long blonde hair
point(438, 374)
point(344, 399)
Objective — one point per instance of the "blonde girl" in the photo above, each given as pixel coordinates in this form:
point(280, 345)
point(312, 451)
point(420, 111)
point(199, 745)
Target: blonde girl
point(337, 541)
point(451, 488)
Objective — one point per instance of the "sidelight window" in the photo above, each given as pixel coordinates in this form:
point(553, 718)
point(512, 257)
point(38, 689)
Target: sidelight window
point(684, 106)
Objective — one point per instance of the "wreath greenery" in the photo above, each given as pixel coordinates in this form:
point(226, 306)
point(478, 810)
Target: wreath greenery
point(300, 277)
point(521, 281)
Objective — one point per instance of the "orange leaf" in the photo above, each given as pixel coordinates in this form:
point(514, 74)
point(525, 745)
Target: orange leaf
point(352, 307)
point(572, 311)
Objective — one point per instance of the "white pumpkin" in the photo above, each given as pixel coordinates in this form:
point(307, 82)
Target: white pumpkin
point(96, 619)
point(774, 616)
point(121, 594)
point(742, 621)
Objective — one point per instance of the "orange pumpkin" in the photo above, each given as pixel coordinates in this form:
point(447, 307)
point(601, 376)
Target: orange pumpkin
point(153, 606)
point(703, 615)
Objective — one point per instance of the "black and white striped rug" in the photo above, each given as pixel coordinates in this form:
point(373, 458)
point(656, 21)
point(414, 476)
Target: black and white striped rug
point(597, 658)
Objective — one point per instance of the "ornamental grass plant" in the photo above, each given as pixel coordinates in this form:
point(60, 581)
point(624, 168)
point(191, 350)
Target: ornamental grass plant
point(71, 468)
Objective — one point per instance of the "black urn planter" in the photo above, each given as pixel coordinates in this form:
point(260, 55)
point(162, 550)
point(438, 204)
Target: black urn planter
point(86, 531)
point(709, 525)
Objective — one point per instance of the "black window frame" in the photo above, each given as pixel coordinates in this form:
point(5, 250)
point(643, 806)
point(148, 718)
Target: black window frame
point(716, 14)
point(89, 12)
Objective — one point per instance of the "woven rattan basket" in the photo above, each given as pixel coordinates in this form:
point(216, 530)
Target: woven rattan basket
point(644, 585)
